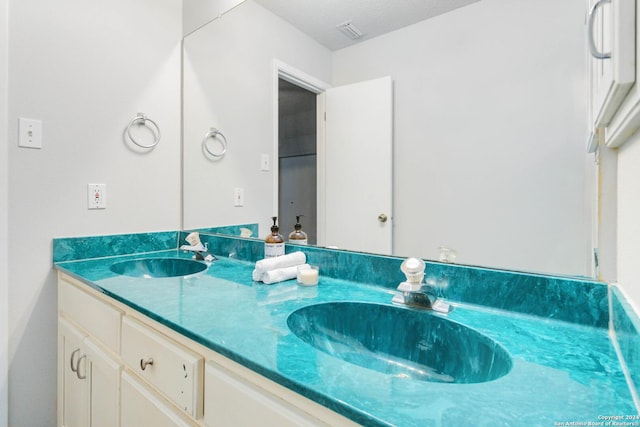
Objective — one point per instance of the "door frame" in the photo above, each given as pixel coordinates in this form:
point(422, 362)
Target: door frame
point(284, 71)
point(4, 213)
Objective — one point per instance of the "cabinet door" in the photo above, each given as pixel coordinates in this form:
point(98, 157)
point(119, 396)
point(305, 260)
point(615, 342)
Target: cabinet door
point(73, 385)
point(231, 401)
point(143, 407)
point(104, 399)
point(612, 46)
point(89, 381)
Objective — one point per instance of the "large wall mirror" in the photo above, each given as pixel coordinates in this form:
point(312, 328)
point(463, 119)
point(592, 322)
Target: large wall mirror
point(488, 128)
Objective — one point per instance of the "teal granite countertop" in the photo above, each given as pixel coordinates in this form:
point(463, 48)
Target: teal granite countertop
point(562, 372)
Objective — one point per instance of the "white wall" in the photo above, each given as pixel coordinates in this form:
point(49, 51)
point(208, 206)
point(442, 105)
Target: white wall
point(628, 236)
point(4, 264)
point(490, 123)
point(228, 84)
point(85, 69)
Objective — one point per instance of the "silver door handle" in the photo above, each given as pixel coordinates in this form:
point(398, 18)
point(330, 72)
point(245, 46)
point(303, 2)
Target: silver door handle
point(592, 44)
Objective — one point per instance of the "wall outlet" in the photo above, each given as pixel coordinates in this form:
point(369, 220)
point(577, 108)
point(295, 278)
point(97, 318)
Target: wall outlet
point(96, 196)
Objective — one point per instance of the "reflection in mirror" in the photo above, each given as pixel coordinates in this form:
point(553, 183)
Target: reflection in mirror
point(489, 127)
point(297, 158)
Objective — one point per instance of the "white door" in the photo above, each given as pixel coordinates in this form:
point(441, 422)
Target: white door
point(355, 186)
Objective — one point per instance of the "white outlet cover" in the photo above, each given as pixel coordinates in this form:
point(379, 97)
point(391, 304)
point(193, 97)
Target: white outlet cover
point(96, 196)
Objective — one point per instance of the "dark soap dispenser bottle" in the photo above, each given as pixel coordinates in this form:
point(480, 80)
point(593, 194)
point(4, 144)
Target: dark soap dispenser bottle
point(274, 243)
point(298, 236)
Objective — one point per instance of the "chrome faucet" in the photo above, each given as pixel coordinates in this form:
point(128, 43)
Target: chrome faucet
point(414, 293)
point(200, 251)
point(204, 255)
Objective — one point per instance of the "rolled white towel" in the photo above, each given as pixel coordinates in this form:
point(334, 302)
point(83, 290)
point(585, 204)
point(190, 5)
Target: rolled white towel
point(289, 260)
point(280, 275)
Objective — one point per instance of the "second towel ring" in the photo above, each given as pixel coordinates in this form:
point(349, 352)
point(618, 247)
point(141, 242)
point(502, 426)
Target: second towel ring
point(140, 117)
point(213, 133)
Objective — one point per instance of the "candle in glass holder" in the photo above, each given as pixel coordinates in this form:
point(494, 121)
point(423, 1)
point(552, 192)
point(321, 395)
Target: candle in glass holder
point(308, 275)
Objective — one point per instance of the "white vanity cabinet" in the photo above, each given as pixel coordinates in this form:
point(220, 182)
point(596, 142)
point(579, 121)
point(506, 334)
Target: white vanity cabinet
point(88, 373)
point(117, 367)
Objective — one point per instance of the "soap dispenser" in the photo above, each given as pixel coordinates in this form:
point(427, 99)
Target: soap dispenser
point(298, 236)
point(274, 242)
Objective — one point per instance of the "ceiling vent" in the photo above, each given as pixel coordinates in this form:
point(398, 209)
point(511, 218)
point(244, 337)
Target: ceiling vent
point(350, 30)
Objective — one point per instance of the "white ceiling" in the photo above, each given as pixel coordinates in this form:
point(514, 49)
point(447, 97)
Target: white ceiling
point(319, 18)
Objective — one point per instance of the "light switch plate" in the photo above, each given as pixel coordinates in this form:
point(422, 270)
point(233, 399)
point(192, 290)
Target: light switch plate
point(238, 197)
point(264, 163)
point(29, 133)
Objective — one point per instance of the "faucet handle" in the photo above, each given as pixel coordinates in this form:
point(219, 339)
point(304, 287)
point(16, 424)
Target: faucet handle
point(413, 269)
point(409, 287)
point(441, 306)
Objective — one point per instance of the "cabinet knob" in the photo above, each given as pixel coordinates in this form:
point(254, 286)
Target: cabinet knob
point(382, 218)
point(145, 363)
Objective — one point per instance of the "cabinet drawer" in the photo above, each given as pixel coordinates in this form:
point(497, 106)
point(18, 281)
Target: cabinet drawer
point(171, 368)
point(98, 318)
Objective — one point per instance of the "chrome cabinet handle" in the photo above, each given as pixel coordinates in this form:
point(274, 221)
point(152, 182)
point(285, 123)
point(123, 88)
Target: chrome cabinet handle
point(145, 363)
point(83, 376)
point(382, 218)
point(74, 368)
point(592, 44)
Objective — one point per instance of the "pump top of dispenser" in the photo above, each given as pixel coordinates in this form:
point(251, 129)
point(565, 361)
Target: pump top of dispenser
point(274, 227)
point(298, 226)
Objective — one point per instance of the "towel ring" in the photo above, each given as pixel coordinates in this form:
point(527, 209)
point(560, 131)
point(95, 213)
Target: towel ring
point(213, 133)
point(144, 120)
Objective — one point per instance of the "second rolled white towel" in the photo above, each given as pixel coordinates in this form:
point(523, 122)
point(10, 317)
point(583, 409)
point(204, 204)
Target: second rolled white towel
point(280, 274)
